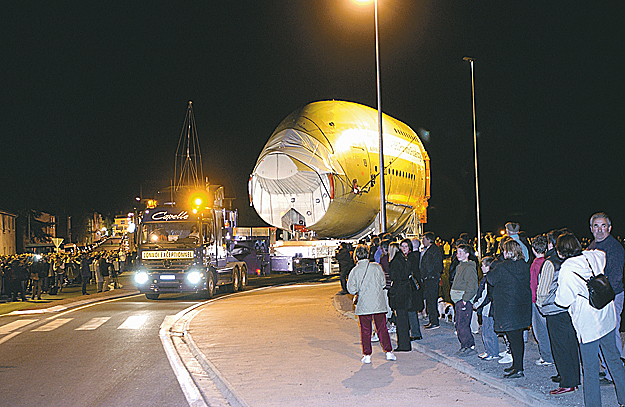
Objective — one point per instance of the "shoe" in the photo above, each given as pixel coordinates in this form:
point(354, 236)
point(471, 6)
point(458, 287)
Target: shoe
point(508, 369)
point(503, 353)
point(490, 357)
point(415, 338)
point(562, 390)
point(542, 362)
point(468, 352)
point(483, 355)
point(514, 374)
point(604, 381)
point(402, 349)
point(390, 356)
point(556, 378)
point(375, 338)
point(507, 358)
point(86, 294)
point(366, 359)
point(431, 326)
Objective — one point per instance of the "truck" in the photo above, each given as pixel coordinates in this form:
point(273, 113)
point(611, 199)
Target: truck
point(187, 248)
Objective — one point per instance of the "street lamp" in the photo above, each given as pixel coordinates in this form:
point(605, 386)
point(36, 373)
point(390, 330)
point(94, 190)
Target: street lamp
point(381, 148)
point(477, 189)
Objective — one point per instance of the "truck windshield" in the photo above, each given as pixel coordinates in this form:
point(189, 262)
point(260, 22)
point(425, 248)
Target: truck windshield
point(170, 232)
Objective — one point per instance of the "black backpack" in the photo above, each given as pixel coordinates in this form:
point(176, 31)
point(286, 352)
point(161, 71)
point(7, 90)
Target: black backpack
point(600, 292)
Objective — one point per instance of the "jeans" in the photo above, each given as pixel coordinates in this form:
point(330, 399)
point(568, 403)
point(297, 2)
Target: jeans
point(564, 348)
point(415, 329)
point(489, 337)
point(463, 312)
point(431, 299)
point(380, 327)
point(403, 329)
point(517, 348)
point(618, 306)
point(539, 327)
point(589, 351)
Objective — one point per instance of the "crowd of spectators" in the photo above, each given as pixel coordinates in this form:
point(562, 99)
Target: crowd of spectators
point(519, 286)
point(30, 275)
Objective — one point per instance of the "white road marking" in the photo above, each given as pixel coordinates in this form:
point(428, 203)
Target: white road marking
point(133, 322)
point(9, 336)
point(94, 323)
point(50, 326)
point(12, 326)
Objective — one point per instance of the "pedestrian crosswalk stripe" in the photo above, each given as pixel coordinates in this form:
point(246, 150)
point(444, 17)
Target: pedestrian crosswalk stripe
point(50, 326)
point(15, 325)
point(133, 322)
point(94, 323)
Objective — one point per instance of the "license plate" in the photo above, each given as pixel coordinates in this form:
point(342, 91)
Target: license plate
point(168, 277)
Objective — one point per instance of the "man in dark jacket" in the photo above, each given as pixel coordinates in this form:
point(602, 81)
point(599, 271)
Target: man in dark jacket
point(85, 272)
point(431, 268)
point(346, 264)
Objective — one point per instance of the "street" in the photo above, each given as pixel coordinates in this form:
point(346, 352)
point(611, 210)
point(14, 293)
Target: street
point(103, 354)
point(292, 348)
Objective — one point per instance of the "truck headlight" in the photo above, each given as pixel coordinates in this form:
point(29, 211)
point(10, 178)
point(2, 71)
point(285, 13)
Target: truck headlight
point(141, 277)
point(194, 277)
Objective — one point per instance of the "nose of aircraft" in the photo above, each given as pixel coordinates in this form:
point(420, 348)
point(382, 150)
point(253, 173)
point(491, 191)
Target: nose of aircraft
point(291, 183)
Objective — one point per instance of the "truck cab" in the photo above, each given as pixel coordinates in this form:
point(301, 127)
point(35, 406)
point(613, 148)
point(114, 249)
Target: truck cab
point(187, 250)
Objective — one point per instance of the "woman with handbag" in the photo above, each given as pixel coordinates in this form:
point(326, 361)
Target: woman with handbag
point(594, 327)
point(400, 295)
point(367, 281)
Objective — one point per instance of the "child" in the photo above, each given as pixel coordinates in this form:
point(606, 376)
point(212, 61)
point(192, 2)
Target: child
point(463, 293)
point(482, 304)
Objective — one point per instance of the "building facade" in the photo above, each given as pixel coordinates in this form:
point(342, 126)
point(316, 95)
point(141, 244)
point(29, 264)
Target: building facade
point(7, 235)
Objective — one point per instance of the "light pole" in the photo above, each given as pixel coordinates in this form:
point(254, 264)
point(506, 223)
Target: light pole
point(381, 146)
point(477, 189)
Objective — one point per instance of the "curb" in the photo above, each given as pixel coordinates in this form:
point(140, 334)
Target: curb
point(206, 380)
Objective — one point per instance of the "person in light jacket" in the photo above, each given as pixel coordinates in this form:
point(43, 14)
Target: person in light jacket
point(367, 279)
point(594, 327)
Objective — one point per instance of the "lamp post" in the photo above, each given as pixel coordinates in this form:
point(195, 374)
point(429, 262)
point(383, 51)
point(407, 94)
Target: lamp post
point(477, 189)
point(381, 144)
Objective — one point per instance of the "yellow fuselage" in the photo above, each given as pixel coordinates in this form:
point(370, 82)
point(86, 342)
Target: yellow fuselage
point(319, 170)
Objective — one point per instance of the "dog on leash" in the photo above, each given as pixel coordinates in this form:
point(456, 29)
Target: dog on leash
point(446, 310)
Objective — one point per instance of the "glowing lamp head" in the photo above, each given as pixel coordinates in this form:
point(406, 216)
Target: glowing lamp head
point(198, 199)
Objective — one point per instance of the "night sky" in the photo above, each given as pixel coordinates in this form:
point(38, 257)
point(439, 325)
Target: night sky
point(94, 95)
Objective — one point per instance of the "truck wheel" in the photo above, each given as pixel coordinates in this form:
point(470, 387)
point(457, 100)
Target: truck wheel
point(235, 279)
point(151, 296)
point(243, 283)
point(210, 285)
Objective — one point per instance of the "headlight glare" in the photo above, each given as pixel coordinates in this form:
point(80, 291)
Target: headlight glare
point(141, 277)
point(194, 277)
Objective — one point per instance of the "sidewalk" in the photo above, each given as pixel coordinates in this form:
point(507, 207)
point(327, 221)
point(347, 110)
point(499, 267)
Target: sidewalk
point(533, 389)
point(69, 297)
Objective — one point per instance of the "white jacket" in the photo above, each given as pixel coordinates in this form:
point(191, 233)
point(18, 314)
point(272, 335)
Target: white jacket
point(368, 281)
point(590, 323)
